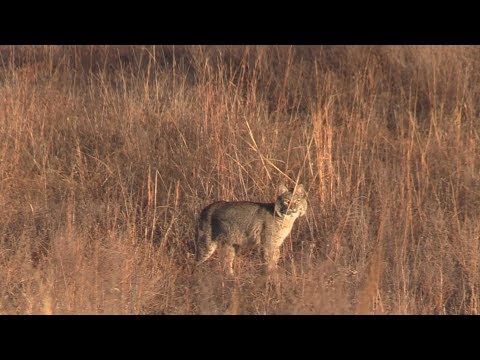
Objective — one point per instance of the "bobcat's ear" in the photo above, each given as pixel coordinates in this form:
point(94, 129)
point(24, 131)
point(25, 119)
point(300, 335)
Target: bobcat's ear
point(300, 190)
point(282, 189)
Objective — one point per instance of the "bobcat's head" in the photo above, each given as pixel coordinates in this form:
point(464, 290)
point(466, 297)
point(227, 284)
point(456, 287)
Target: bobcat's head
point(291, 202)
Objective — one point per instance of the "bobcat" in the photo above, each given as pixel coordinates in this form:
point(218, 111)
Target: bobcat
point(244, 223)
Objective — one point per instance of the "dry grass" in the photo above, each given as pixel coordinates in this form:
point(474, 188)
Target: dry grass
point(108, 154)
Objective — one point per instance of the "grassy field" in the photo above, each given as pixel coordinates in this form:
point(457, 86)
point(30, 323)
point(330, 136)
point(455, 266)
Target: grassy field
point(109, 153)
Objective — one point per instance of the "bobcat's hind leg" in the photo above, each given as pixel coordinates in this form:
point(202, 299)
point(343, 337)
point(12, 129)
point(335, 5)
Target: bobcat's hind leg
point(205, 248)
point(228, 257)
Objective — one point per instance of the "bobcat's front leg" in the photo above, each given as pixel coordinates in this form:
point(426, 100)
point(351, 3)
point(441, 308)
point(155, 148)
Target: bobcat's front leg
point(271, 254)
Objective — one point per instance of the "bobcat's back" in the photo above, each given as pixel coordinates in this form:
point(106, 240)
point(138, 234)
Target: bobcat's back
point(236, 222)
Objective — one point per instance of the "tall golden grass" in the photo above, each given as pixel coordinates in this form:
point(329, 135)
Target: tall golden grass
point(108, 154)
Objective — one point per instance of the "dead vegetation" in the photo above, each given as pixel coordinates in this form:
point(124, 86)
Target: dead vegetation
point(107, 154)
